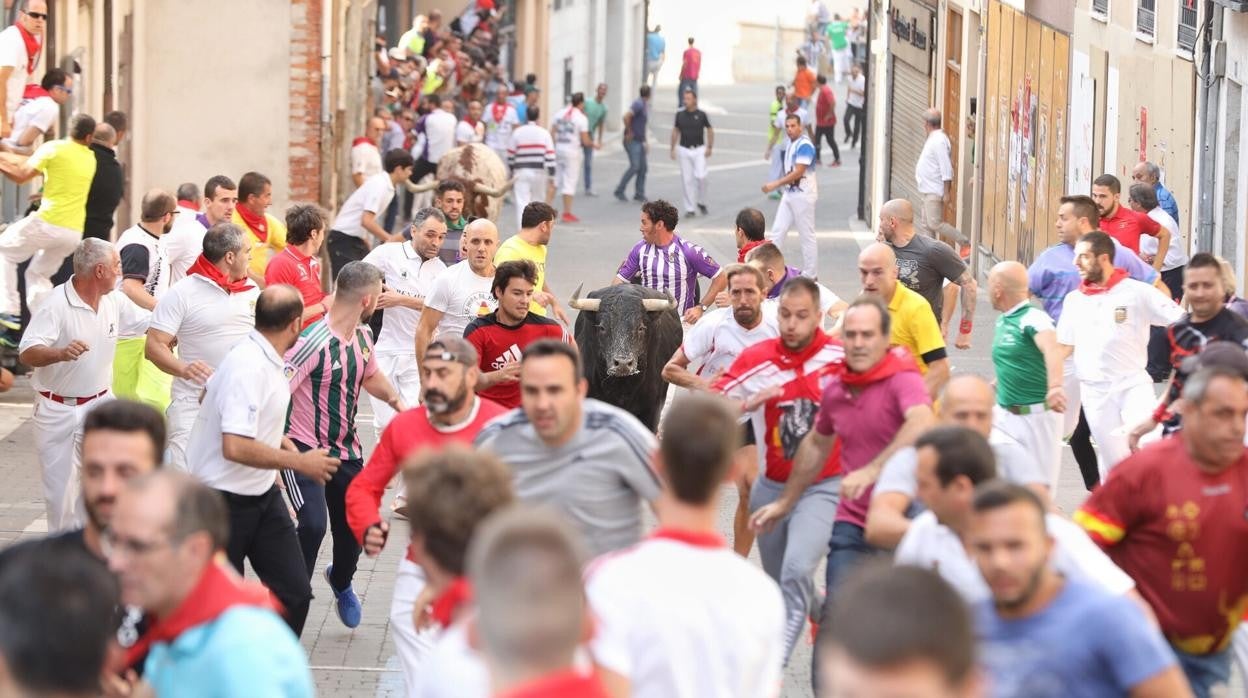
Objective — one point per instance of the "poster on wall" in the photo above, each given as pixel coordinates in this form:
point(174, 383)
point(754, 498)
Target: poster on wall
point(1082, 101)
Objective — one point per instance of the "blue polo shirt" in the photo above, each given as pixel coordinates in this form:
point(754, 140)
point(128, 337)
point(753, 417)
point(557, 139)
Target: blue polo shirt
point(1166, 201)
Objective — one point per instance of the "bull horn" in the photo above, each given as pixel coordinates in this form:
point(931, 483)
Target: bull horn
point(482, 189)
point(422, 187)
point(657, 304)
point(590, 304)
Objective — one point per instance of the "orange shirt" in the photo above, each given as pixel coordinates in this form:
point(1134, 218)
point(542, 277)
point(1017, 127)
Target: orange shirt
point(804, 83)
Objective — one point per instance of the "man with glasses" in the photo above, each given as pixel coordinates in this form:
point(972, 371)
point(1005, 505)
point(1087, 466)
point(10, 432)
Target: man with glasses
point(20, 47)
point(36, 116)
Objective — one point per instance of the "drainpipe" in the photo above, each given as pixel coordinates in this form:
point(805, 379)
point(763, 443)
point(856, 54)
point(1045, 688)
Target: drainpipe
point(1208, 106)
point(326, 134)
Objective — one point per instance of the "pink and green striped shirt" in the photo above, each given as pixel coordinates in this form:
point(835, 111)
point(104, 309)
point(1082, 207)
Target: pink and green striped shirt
point(325, 373)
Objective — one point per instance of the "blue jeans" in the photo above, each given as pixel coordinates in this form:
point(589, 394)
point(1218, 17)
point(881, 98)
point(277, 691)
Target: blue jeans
point(589, 167)
point(680, 91)
point(847, 549)
point(1206, 672)
point(636, 166)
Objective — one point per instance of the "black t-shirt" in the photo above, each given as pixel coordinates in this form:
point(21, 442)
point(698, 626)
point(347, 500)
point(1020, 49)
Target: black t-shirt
point(105, 193)
point(1188, 338)
point(692, 125)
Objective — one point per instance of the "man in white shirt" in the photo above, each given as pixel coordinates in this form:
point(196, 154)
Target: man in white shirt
point(17, 59)
point(205, 314)
point(952, 462)
point(37, 116)
point(409, 269)
point(440, 125)
point(679, 614)
point(531, 159)
point(362, 213)
point(934, 174)
point(800, 194)
point(855, 105)
point(69, 344)
point(471, 129)
point(768, 259)
point(571, 134)
point(185, 242)
point(1109, 315)
point(144, 280)
point(500, 119)
point(236, 447)
point(462, 292)
point(365, 155)
point(780, 140)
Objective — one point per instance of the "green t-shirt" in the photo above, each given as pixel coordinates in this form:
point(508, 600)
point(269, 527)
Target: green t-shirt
point(595, 112)
point(1021, 375)
point(776, 106)
point(836, 32)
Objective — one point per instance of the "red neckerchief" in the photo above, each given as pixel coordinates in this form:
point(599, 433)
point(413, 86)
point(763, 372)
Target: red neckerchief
point(1088, 289)
point(698, 539)
point(788, 358)
point(455, 596)
point(562, 684)
point(209, 271)
point(259, 224)
point(215, 593)
point(34, 91)
point(745, 249)
point(470, 122)
point(498, 115)
point(896, 360)
point(362, 139)
point(187, 203)
point(33, 46)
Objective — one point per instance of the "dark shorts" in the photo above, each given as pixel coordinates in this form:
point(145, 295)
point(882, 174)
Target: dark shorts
point(747, 434)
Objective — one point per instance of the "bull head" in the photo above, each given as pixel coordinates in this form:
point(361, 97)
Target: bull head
point(477, 187)
point(592, 304)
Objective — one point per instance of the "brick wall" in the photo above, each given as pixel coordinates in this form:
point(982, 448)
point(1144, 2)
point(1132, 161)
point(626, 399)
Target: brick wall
point(305, 100)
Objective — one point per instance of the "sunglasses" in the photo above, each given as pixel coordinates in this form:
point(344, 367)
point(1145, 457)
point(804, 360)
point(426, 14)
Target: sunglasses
point(36, 15)
point(62, 88)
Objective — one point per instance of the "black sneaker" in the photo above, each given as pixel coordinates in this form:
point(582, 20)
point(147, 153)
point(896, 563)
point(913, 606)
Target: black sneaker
point(702, 209)
point(690, 214)
point(640, 199)
point(620, 197)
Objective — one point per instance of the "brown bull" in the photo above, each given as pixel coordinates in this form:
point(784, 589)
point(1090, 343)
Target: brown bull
point(483, 175)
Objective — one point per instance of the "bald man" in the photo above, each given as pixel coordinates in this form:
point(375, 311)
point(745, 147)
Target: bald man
point(934, 175)
point(923, 264)
point(1030, 389)
point(365, 153)
point(967, 401)
point(913, 324)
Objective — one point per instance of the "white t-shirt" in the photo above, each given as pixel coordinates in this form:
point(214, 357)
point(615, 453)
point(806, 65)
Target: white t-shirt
point(568, 127)
point(440, 130)
point(467, 133)
point(63, 317)
point(13, 53)
point(365, 159)
point(934, 546)
point(934, 167)
point(717, 339)
point(1176, 254)
point(682, 618)
point(499, 121)
point(207, 321)
point(143, 257)
point(374, 195)
point(1014, 463)
point(856, 97)
point(248, 396)
point(452, 668)
point(184, 243)
point(406, 273)
point(1110, 330)
point(40, 112)
point(461, 296)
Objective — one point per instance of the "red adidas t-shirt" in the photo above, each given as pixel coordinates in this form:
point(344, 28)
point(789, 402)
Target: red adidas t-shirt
point(1126, 226)
point(304, 273)
point(1182, 535)
point(498, 345)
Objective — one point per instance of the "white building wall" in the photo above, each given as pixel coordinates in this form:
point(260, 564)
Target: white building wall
point(570, 40)
point(1235, 37)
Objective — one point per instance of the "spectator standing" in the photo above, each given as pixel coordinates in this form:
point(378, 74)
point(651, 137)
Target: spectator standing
point(299, 265)
point(21, 46)
point(365, 153)
point(531, 157)
point(264, 233)
point(855, 105)
point(656, 51)
point(693, 133)
point(842, 54)
point(934, 175)
point(361, 214)
point(1149, 174)
point(471, 129)
point(825, 121)
point(635, 146)
point(669, 264)
point(1125, 225)
point(571, 135)
point(690, 68)
point(500, 119)
point(596, 113)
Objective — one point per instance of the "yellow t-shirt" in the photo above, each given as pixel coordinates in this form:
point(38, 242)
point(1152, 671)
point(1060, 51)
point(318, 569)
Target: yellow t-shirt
point(68, 168)
point(514, 249)
point(262, 252)
point(914, 325)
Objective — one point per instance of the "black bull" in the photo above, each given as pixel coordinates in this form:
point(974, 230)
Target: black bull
point(626, 333)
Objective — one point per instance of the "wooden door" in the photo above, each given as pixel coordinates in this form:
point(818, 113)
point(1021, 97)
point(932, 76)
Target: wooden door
point(952, 122)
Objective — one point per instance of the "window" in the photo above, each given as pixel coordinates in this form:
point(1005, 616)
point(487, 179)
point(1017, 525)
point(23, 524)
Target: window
point(1187, 26)
point(1100, 8)
point(1146, 18)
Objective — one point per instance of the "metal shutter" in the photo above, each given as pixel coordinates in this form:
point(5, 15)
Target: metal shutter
point(908, 101)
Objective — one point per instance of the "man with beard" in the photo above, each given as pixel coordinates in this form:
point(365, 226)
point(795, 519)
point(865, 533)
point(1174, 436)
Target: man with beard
point(778, 382)
point(714, 343)
point(1125, 225)
point(451, 413)
point(448, 198)
point(1104, 325)
point(470, 129)
point(329, 364)
point(185, 242)
point(462, 292)
point(1043, 634)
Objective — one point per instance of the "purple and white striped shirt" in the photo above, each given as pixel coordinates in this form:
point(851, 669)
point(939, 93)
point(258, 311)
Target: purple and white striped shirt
point(672, 269)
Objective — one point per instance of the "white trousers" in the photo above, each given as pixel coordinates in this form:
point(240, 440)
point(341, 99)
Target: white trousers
point(777, 161)
point(568, 169)
point(180, 418)
point(45, 245)
point(797, 211)
point(693, 175)
point(530, 185)
point(411, 645)
point(1040, 433)
point(1112, 409)
point(58, 440)
point(405, 377)
point(1239, 646)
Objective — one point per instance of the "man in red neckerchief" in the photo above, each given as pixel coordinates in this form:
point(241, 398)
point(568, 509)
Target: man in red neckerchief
point(266, 235)
point(449, 494)
point(1123, 224)
point(780, 381)
point(450, 413)
point(525, 566)
point(750, 233)
point(873, 408)
point(211, 633)
point(20, 48)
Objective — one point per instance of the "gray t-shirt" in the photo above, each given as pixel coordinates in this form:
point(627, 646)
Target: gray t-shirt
point(598, 479)
point(923, 264)
point(1013, 464)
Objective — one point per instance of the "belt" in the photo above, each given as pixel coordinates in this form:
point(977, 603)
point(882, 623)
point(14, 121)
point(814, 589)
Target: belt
point(71, 401)
point(1026, 409)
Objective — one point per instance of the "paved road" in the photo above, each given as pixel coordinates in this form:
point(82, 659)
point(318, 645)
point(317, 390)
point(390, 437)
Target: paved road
point(361, 663)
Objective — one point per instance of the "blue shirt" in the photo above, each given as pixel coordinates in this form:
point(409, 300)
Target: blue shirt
point(1053, 274)
point(641, 114)
point(655, 46)
point(246, 651)
point(1087, 643)
point(1166, 201)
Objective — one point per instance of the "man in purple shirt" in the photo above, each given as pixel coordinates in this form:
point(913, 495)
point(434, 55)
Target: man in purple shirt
point(664, 262)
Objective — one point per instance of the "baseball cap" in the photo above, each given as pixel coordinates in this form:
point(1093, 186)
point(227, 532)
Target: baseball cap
point(452, 348)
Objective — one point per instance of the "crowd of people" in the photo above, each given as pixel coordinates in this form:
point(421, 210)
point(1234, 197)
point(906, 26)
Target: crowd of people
point(198, 390)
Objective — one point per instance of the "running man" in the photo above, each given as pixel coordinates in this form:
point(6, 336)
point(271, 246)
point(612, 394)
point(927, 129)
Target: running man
point(801, 191)
point(665, 262)
point(462, 292)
